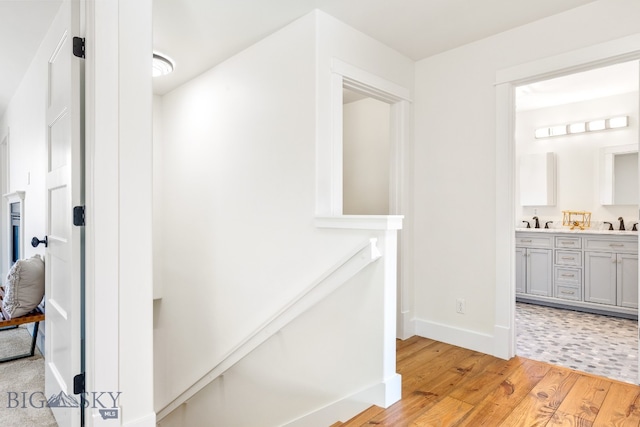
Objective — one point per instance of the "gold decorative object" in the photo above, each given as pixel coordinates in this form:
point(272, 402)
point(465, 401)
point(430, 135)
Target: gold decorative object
point(573, 219)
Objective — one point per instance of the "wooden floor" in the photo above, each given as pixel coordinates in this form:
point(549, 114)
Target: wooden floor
point(444, 385)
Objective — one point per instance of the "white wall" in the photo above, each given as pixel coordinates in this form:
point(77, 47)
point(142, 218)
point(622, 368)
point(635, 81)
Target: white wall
point(24, 121)
point(238, 208)
point(455, 163)
point(312, 360)
point(366, 157)
point(577, 157)
point(24, 127)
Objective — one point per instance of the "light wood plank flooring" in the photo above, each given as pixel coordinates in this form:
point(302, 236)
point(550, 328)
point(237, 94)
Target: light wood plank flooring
point(444, 385)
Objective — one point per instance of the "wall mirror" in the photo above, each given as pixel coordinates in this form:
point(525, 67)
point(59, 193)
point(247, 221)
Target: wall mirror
point(538, 179)
point(619, 175)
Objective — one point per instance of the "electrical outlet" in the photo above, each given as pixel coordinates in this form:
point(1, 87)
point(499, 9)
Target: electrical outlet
point(460, 305)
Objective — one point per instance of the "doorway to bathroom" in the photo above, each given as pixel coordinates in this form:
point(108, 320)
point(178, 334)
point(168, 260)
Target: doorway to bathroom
point(576, 257)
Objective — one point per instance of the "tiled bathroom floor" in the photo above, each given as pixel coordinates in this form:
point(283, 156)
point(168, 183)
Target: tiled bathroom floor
point(601, 345)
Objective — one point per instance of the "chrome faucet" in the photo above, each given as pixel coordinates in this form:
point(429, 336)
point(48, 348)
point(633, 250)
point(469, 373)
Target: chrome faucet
point(537, 222)
point(621, 223)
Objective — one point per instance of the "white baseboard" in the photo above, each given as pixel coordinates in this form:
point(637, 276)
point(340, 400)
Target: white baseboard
point(472, 340)
point(383, 394)
point(504, 346)
point(406, 326)
point(148, 420)
point(338, 411)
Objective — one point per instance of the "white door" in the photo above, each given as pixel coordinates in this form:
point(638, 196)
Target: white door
point(63, 350)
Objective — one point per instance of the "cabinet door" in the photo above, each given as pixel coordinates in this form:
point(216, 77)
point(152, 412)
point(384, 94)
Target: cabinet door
point(627, 275)
point(539, 272)
point(600, 277)
point(521, 270)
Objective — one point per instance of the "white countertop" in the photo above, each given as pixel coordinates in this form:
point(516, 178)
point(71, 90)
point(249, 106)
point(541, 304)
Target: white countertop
point(578, 231)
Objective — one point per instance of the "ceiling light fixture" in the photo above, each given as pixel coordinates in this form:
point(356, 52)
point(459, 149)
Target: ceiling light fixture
point(161, 65)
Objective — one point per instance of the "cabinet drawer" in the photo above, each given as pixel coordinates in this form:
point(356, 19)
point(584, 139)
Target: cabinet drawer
point(568, 258)
point(566, 275)
point(612, 245)
point(568, 292)
point(533, 241)
point(568, 242)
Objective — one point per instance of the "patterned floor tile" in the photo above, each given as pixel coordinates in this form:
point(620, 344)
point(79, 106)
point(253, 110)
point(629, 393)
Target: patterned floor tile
point(601, 345)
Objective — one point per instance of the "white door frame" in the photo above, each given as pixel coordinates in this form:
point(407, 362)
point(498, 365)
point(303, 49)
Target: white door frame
point(330, 168)
point(4, 205)
point(599, 55)
point(119, 290)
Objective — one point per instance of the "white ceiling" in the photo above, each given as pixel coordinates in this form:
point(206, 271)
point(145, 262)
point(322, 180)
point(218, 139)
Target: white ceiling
point(598, 83)
point(23, 24)
point(198, 34)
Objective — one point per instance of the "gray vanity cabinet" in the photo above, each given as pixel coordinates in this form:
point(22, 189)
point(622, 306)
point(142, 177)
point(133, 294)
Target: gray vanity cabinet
point(611, 271)
point(521, 270)
point(539, 274)
point(600, 279)
point(595, 272)
point(534, 274)
point(627, 280)
point(611, 278)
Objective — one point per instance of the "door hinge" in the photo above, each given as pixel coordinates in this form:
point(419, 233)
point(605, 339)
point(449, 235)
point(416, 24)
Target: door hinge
point(78, 47)
point(78, 216)
point(78, 384)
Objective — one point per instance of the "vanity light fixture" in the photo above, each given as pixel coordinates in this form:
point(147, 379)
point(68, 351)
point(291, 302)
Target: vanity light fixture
point(597, 125)
point(161, 65)
point(581, 127)
point(618, 122)
point(577, 127)
point(542, 133)
point(558, 130)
